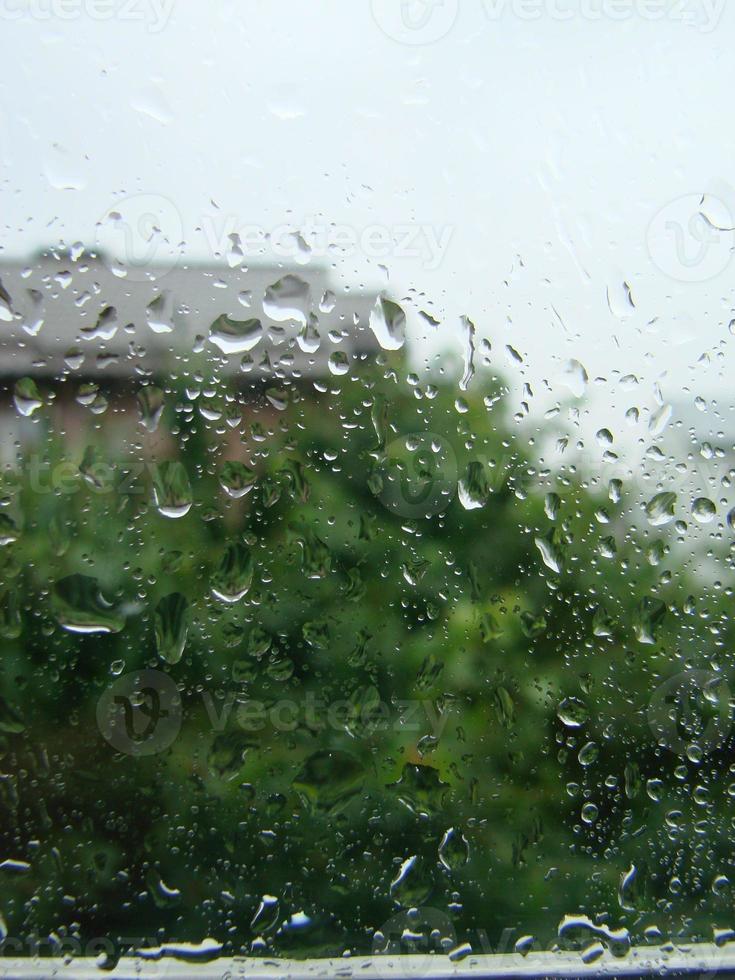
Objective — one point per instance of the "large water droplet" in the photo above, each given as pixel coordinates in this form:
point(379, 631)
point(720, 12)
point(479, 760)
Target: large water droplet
point(339, 363)
point(627, 889)
point(234, 576)
point(80, 607)
point(309, 339)
point(411, 886)
point(27, 397)
point(703, 510)
point(572, 712)
point(388, 323)
point(660, 509)
point(454, 850)
point(237, 479)
point(288, 299)
point(171, 489)
point(235, 336)
point(6, 304)
point(171, 624)
point(474, 488)
point(150, 405)
point(104, 328)
point(159, 313)
point(550, 552)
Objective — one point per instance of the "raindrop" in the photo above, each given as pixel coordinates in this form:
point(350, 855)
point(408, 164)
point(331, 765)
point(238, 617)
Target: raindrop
point(104, 328)
point(171, 489)
point(237, 479)
point(588, 754)
point(235, 336)
point(234, 576)
point(660, 509)
point(388, 323)
point(309, 339)
point(6, 304)
point(159, 313)
point(454, 850)
point(550, 551)
point(80, 607)
point(339, 363)
point(150, 406)
point(474, 488)
point(572, 712)
point(703, 510)
point(171, 624)
point(468, 328)
point(590, 813)
point(288, 299)
point(27, 397)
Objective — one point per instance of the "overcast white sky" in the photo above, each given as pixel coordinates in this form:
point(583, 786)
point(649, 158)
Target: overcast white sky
point(517, 133)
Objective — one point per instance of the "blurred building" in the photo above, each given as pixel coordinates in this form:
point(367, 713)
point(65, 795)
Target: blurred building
point(76, 315)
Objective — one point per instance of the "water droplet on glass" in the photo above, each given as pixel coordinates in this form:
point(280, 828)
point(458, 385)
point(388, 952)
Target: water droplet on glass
point(171, 489)
point(590, 813)
point(6, 304)
point(237, 479)
point(27, 397)
point(468, 328)
point(550, 551)
point(339, 363)
point(159, 313)
point(288, 299)
point(309, 339)
point(703, 510)
point(474, 488)
point(171, 624)
point(660, 509)
point(150, 406)
point(104, 327)
point(388, 323)
point(454, 850)
point(234, 576)
point(235, 336)
point(572, 712)
point(80, 607)
point(588, 754)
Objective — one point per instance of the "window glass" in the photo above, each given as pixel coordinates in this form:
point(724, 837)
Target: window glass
point(366, 479)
